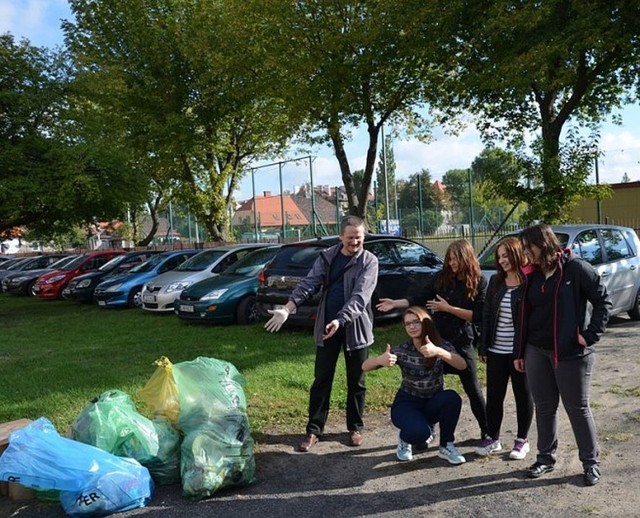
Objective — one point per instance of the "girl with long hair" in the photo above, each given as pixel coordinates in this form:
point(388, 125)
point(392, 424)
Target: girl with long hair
point(499, 327)
point(455, 299)
point(422, 401)
point(555, 346)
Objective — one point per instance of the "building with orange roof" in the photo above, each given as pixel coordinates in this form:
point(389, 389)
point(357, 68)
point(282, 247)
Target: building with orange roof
point(268, 210)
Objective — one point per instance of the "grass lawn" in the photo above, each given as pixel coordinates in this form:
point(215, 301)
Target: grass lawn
point(55, 356)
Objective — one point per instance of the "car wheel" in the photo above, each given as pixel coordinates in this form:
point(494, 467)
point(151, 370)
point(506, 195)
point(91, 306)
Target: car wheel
point(247, 312)
point(135, 298)
point(29, 289)
point(634, 312)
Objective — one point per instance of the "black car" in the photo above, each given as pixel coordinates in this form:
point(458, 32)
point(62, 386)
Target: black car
point(81, 288)
point(37, 262)
point(403, 267)
point(21, 282)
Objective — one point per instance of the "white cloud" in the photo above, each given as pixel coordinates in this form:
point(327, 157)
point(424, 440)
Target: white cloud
point(36, 20)
point(620, 155)
point(444, 153)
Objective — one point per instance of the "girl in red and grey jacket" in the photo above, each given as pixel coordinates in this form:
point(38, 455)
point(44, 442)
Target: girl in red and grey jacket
point(555, 345)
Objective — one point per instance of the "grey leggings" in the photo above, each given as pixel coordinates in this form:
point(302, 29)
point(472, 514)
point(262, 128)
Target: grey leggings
point(571, 381)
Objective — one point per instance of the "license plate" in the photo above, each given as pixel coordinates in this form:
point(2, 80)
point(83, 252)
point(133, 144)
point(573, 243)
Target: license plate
point(149, 298)
point(102, 303)
point(186, 309)
point(66, 291)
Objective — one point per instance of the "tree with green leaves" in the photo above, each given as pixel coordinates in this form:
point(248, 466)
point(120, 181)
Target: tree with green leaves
point(497, 173)
point(190, 84)
point(50, 180)
point(347, 64)
point(544, 69)
point(418, 186)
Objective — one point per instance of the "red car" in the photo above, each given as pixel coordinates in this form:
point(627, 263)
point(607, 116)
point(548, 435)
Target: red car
point(50, 285)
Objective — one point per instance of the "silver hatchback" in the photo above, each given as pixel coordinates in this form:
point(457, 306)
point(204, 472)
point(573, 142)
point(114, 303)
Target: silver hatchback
point(159, 294)
point(612, 250)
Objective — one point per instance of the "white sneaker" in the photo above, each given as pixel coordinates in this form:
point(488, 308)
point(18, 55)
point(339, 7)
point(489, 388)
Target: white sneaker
point(404, 451)
point(489, 446)
point(451, 454)
point(520, 449)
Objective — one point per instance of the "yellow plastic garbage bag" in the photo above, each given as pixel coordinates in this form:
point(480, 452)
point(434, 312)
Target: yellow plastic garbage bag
point(160, 394)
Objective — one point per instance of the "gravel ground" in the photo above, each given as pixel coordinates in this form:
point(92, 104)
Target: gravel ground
point(337, 480)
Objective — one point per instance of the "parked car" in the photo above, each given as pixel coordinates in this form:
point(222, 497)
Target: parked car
point(403, 266)
point(13, 266)
point(37, 262)
point(4, 259)
point(20, 282)
point(124, 290)
point(612, 250)
point(160, 293)
point(228, 297)
point(50, 285)
point(81, 288)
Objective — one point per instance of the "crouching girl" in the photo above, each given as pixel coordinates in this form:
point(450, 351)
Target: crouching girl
point(422, 401)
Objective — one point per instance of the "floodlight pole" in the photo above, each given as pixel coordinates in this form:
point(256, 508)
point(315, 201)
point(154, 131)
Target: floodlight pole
point(255, 203)
point(386, 182)
point(598, 202)
point(473, 235)
point(282, 213)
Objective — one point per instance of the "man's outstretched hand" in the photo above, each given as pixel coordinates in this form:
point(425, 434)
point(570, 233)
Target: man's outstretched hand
point(275, 322)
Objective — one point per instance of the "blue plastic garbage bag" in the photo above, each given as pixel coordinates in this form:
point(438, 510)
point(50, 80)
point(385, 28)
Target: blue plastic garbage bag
point(91, 482)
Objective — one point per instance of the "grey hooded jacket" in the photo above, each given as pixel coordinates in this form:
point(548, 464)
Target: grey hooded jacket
point(360, 279)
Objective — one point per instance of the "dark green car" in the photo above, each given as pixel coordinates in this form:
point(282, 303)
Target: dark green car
point(229, 297)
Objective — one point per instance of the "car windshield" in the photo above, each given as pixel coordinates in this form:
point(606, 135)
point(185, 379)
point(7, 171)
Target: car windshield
point(201, 261)
point(149, 264)
point(487, 259)
point(19, 264)
point(296, 257)
point(60, 263)
point(73, 264)
point(112, 263)
point(252, 263)
point(31, 264)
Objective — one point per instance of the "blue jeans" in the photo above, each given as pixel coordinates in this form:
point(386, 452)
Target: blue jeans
point(571, 381)
point(416, 416)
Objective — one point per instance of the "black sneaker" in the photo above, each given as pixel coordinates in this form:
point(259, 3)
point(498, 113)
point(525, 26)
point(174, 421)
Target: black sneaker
point(538, 469)
point(592, 475)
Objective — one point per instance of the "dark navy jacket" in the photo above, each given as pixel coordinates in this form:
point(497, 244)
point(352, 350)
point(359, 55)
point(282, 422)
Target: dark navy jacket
point(578, 284)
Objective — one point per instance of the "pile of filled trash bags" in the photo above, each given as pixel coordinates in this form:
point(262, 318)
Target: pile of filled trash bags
point(198, 435)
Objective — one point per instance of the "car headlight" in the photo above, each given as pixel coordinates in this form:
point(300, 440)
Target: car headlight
point(85, 283)
point(178, 286)
point(18, 280)
point(114, 287)
point(54, 279)
point(214, 294)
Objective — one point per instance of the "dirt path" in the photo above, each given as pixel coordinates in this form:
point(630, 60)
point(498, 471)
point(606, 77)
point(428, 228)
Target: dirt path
point(336, 480)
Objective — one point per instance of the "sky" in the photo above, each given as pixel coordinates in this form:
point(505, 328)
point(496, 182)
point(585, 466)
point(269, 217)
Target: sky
point(39, 22)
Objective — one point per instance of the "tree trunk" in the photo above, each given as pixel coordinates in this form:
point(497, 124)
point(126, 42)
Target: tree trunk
point(153, 213)
point(357, 201)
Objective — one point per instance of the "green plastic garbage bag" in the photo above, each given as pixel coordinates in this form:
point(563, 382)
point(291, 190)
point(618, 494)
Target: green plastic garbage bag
point(112, 423)
point(217, 456)
point(217, 450)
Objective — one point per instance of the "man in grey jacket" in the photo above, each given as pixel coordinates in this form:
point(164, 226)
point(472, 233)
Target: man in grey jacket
point(347, 275)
